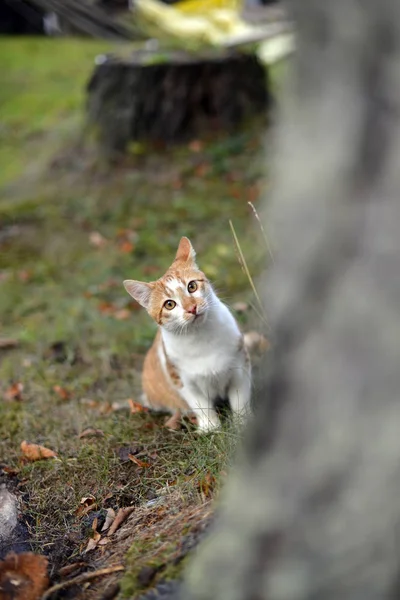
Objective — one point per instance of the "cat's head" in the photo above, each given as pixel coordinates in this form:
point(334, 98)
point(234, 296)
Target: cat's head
point(181, 299)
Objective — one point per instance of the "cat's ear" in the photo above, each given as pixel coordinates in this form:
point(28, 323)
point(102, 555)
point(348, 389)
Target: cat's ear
point(139, 290)
point(185, 251)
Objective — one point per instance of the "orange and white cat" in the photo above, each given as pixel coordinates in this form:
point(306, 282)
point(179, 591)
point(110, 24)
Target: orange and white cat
point(198, 355)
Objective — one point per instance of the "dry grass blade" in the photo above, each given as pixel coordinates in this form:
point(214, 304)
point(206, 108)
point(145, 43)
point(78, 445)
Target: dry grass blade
point(253, 208)
point(244, 266)
point(81, 579)
point(122, 515)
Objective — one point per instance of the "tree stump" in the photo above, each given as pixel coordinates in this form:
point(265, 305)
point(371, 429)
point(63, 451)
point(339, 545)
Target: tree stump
point(173, 97)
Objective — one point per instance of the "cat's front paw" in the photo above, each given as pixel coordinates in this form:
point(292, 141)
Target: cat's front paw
point(207, 423)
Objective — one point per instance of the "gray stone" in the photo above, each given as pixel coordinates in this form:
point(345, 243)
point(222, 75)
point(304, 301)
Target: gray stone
point(8, 515)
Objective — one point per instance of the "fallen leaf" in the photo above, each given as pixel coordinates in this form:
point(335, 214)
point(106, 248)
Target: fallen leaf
point(138, 462)
point(9, 471)
point(93, 541)
point(86, 504)
point(6, 343)
point(136, 407)
point(122, 515)
point(14, 392)
point(122, 314)
point(106, 308)
point(110, 517)
point(91, 432)
point(126, 247)
point(35, 452)
point(62, 392)
point(23, 576)
point(125, 451)
point(89, 402)
point(24, 275)
point(104, 541)
point(97, 240)
point(196, 146)
point(116, 406)
point(202, 169)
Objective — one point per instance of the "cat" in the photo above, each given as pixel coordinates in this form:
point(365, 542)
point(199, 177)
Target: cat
point(198, 355)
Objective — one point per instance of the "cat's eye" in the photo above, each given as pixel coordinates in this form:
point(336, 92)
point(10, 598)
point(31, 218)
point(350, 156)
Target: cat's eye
point(169, 304)
point(192, 287)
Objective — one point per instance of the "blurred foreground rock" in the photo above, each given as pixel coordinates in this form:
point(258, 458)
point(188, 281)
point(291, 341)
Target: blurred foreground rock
point(13, 531)
point(312, 510)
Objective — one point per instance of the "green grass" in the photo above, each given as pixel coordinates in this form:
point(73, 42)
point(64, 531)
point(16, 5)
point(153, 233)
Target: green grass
point(61, 295)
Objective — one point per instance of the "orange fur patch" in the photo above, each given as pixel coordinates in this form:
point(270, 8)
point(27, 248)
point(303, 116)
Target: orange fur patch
point(158, 386)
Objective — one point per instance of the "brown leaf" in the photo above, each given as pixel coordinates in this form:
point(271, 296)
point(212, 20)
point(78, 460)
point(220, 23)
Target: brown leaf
point(23, 576)
point(87, 504)
point(122, 515)
point(89, 402)
point(9, 471)
point(110, 517)
point(202, 169)
point(116, 406)
point(91, 432)
point(24, 275)
point(92, 543)
point(97, 240)
point(139, 463)
point(122, 314)
point(106, 308)
point(196, 146)
point(136, 407)
point(6, 343)
point(126, 247)
point(14, 392)
point(62, 392)
point(35, 452)
point(104, 541)
point(124, 451)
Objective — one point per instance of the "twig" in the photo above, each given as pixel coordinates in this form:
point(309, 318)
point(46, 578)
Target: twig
point(246, 269)
point(253, 208)
point(81, 579)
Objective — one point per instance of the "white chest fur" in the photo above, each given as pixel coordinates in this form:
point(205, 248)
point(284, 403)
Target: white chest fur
point(211, 364)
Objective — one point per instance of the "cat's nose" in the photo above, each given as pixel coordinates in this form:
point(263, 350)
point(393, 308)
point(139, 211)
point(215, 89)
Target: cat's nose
point(192, 310)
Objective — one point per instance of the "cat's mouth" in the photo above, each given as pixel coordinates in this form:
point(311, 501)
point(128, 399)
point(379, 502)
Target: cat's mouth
point(197, 317)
